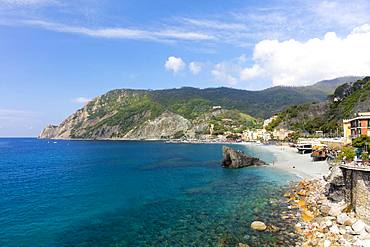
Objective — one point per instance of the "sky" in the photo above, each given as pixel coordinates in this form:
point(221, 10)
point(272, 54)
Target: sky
point(57, 55)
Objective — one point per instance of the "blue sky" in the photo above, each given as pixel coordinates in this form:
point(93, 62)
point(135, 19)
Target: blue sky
point(55, 55)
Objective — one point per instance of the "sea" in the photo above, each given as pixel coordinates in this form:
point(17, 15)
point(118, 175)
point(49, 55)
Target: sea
point(131, 193)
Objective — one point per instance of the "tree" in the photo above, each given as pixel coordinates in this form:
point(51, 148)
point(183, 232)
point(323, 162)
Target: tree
point(362, 142)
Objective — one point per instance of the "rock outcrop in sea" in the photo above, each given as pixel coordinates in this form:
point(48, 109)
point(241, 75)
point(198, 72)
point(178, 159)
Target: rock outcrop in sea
point(237, 159)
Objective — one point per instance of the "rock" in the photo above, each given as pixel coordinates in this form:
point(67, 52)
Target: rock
point(241, 245)
point(327, 243)
point(334, 229)
point(258, 225)
point(272, 228)
point(335, 176)
point(367, 227)
point(336, 209)
point(364, 235)
point(342, 218)
point(334, 189)
point(49, 132)
point(350, 230)
point(328, 223)
point(342, 231)
point(325, 209)
point(238, 159)
point(358, 226)
point(302, 193)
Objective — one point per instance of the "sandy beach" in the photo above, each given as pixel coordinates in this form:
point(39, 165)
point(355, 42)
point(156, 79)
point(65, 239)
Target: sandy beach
point(287, 158)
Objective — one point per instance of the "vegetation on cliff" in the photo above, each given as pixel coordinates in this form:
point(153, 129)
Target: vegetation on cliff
point(126, 113)
point(346, 100)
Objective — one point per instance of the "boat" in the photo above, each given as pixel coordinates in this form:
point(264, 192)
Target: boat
point(304, 148)
point(319, 152)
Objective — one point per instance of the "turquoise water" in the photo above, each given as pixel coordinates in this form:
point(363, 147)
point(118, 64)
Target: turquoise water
point(101, 193)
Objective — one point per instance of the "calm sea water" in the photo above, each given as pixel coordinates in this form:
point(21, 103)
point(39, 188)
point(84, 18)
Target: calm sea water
point(101, 193)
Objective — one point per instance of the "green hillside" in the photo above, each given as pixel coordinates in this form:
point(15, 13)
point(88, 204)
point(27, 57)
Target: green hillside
point(146, 114)
point(347, 99)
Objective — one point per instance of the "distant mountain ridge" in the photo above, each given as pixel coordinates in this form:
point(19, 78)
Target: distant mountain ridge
point(183, 112)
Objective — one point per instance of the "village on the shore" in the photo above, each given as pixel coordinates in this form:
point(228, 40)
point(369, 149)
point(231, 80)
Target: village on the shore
point(333, 210)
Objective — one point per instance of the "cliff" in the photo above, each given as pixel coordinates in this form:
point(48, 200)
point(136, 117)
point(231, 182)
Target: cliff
point(175, 113)
point(135, 114)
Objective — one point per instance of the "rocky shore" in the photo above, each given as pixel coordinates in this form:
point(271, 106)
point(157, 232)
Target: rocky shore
point(323, 218)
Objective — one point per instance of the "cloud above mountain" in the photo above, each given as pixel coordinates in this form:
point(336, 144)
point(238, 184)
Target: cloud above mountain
point(294, 62)
point(174, 64)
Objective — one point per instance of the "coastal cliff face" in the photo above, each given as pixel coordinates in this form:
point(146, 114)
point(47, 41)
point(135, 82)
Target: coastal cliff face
point(167, 125)
point(135, 114)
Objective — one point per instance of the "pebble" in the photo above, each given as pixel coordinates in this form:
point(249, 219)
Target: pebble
point(358, 226)
point(258, 225)
point(242, 245)
point(327, 243)
point(342, 218)
point(328, 223)
point(334, 229)
point(342, 231)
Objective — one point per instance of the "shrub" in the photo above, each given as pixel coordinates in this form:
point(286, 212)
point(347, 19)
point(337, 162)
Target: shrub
point(348, 152)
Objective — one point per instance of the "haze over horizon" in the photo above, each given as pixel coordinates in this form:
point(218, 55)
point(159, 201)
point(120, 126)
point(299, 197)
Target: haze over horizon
point(56, 55)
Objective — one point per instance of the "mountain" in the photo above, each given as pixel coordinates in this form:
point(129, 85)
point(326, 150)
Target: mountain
point(347, 99)
point(329, 86)
point(175, 113)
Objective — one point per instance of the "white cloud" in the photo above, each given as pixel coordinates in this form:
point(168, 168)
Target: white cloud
point(342, 12)
point(174, 64)
point(294, 62)
point(122, 33)
point(195, 67)
point(214, 24)
point(81, 100)
point(223, 73)
point(249, 73)
point(25, 3)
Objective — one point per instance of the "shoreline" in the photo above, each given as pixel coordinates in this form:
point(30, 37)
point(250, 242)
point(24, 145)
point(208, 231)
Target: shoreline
point(285, 158)
point(288, 159)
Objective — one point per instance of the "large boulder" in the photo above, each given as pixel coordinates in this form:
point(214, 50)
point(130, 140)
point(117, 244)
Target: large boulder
point(238, 159)
point(334, 189)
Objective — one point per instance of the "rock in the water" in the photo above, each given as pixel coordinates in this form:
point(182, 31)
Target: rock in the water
point(258, 225)
point(242, 245)
point(238, 159)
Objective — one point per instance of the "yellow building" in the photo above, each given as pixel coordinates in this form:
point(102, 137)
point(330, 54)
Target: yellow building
point(347, 131)
point(359, 125)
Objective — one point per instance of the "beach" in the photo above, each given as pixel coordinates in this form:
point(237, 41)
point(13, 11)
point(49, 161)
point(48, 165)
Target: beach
point(288, 159)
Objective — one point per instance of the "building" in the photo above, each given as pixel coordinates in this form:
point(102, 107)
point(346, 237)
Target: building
point(256, 135)
point(281, 134)
point(357, 126)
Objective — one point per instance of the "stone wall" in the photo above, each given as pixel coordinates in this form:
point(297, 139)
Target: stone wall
point(357, 190)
